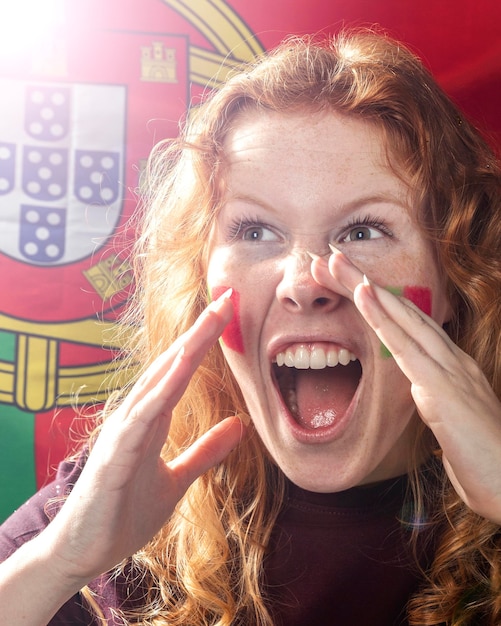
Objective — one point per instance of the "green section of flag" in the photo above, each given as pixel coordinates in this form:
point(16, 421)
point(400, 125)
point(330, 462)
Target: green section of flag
point(17, 458)
point(7, 346)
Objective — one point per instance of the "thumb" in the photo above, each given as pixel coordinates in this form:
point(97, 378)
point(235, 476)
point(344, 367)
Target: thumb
point(208, 451)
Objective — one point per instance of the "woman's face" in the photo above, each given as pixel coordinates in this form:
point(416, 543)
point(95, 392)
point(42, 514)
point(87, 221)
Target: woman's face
point(296, 183)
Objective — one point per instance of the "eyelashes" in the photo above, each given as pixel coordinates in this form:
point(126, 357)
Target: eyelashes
point(235, 228)
point(367, 222)
point(250, 229)
point(359, 228)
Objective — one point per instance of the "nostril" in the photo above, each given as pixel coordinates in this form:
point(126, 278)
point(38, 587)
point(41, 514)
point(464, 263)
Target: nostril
point(321, 302)
point(291, 302)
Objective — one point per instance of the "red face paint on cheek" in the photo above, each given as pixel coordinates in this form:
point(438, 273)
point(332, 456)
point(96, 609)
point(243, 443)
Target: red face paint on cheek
point(420, 296)
point(232, 334)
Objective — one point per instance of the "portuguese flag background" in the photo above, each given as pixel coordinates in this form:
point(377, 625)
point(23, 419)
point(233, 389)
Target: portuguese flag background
point(87, 88)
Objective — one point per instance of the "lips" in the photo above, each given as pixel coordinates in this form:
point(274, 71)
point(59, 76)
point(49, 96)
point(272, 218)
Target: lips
point(317, 382)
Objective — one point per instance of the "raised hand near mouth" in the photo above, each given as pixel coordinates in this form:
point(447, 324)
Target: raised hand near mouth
point(451, 393)
point(126, 492)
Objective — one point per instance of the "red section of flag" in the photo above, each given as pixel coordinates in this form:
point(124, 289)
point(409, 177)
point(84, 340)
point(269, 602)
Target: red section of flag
point(57, 435)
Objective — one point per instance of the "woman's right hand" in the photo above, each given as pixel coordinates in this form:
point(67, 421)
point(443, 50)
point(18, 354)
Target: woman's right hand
point(126, 492)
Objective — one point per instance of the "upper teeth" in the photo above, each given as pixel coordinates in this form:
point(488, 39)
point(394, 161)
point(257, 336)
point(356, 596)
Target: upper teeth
point(315, 357)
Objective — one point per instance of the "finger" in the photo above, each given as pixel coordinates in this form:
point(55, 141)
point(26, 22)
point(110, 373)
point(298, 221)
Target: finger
point(144, 416)
point(417, 326)
point(195, 343)
point(207, 451)
point(148, 421)
point(390, 314)
point(411, 337)
point(162, 397)
point(208, 326)
point(337, 273)
point(143, 429)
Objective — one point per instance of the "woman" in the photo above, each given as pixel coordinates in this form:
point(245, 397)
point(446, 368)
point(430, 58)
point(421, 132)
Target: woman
point(343, 220)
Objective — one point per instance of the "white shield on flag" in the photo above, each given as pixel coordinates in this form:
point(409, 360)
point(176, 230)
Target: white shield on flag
point(61, 169)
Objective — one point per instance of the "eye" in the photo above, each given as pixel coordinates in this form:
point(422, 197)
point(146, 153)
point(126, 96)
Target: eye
point(258, 233)
point(365, 229)
point(362, 233)
point(251, 230)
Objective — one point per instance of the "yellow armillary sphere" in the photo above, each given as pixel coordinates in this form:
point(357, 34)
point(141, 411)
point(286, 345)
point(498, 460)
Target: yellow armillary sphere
point(225, 30)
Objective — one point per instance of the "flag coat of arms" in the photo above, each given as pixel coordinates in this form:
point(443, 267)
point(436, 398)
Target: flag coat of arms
point(75, 131)
point(60, 190)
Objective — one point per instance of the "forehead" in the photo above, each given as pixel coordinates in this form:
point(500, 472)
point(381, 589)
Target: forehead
point(297, 129)
point(311, 151)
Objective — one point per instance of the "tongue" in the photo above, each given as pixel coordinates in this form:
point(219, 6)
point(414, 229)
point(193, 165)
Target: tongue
point(324, 395)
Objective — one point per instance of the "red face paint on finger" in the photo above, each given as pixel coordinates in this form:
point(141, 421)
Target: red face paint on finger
point(420, 296)
point(232, 334)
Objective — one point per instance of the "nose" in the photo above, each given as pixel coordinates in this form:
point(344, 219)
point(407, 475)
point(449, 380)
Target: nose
point(298, 291)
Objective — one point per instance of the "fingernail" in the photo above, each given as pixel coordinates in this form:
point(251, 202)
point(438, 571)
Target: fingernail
point(368, 283)
point(216, 304)
point(313, 255)
point(226, 295)
point(334, 250)
point(213, 292)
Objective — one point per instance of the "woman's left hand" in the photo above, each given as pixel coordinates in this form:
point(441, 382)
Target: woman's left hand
point(452, 395)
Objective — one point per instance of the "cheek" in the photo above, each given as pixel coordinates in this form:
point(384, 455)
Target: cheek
point(420, 296)
point(232, 335)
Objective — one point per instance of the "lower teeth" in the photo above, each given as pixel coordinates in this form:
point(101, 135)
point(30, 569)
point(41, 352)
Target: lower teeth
point(290, 400)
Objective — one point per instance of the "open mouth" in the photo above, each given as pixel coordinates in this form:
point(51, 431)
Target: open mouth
point(317, 382)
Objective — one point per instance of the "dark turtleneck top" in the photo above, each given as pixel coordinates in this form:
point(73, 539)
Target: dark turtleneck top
point(343, 558)
point(339, 559)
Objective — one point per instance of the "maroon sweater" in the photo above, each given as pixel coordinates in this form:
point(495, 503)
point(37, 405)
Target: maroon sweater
point(334, 559)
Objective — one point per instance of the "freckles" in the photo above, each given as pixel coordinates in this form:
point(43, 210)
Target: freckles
point(232, 335)
point(420, 296)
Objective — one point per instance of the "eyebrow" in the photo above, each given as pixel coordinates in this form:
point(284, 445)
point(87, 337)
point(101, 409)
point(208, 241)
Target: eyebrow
point(251, 200)
point(344, 208)
point(378, 198)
